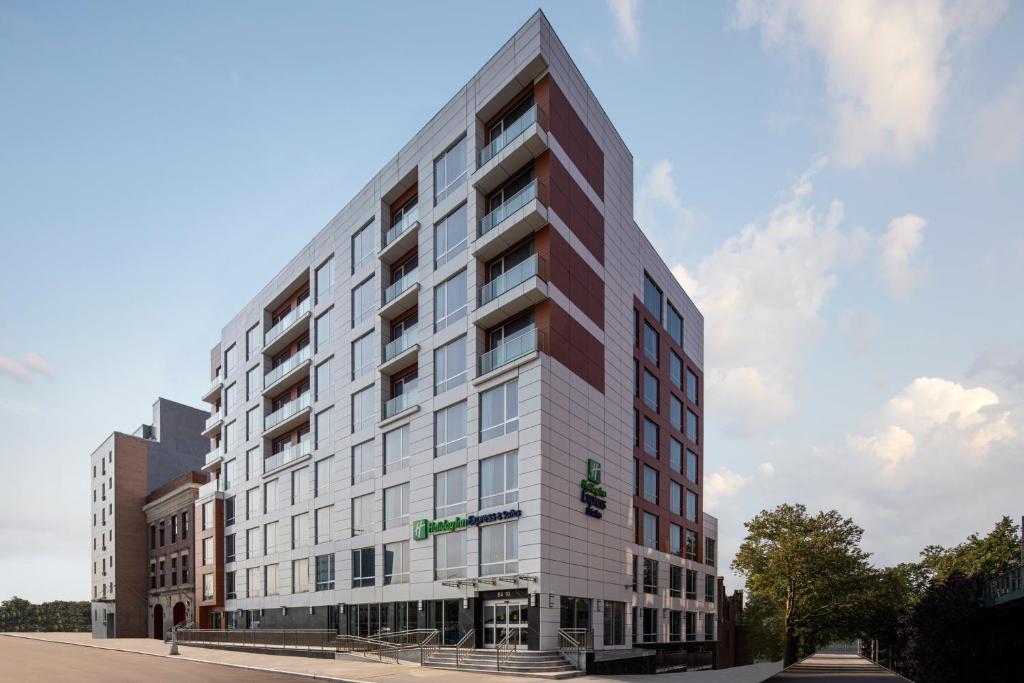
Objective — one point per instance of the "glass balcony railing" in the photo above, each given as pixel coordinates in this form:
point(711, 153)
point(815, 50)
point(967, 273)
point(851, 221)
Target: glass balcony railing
point(287, 410)
point(287, 366)
point(516, 347)
point(510, 206)
point(290, 454)
point(399, 403)
point(286, 322)
point(396, 346)
point(212, 420)
point(400, 285)
point(516, 275)
point(409, 218)
point(514, 130)
point(213, 455)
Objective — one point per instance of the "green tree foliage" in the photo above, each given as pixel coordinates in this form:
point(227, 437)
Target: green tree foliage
point(811, 567)
point(986, 556)
point(18, 615)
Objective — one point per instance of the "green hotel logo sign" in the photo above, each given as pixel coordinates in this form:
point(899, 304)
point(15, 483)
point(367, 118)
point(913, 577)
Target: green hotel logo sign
point(593, 471)
point(591, 492)
point(422, 528)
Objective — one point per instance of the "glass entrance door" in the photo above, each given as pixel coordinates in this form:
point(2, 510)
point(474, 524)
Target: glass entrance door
point(503, 616)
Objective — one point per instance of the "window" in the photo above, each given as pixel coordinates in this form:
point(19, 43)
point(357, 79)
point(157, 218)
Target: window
point(253, 463)
point(499, 410)
point(450, 493)
point(691, 626)
point(362, 246)
point(450, 171)
point(252, 501)
point(323, 330)
point(691, 385)
point(229, 585)
point(184, 567)
point(650, 438)
point(207, 586)
point(650, 343)
point(252, 341)
point(270, 496)
point(362, 514)
point(300, 485)
point(300, 575)
point(691, 584)
point(652, 297)
point(363, 569)
point(614, 623)
point(499, 480)
point(650, 484)
point(691, 545)
point(322, 485)
point(230, 435)
point(396, 506)
point(691, 466)
point(396, 563)
point(709, 552)
point(651, 391)
point(675, 498)
point(691, 425)
point(363, 301)
point(174, 570)
point(229, 547)
point(252, 423)
point(269, 538)
point(322, 531)
point(324, 279)
point(325, 572)
point(650, 575)
point(230, 359)
point(364, 355)
point(450, 365)
point(676, 412)
point(499, 549)
point(675, 625)
point(450, 301)
point(675, 325)
point(252, 543)
point(323, 379)
point(300, 530)
point(691, 505)
point(450, 237)
point(709, 587)
point(252, 584)
point(323, 429)
point(362, 462)
point(270, 579)
point(450, 426)
point(709, 626)
point(450, 555)
point(362, 409)
point(675, 582)
point(675, 539)
point(675, 458)
point(207, 552)
point(396, 449)
point(650, 530)
point(253, 383)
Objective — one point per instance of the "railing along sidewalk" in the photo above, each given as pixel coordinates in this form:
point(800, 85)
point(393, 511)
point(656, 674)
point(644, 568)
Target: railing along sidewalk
point(465, 644)
point(300, 639)
point(573, 643)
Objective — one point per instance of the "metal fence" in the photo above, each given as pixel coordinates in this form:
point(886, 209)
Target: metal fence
point(298, 639)
point(1005, 587)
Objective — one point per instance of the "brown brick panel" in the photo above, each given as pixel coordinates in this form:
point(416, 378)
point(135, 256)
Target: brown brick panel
point(571, 204)
point(131, 572)
point(570, 343)
point(571, 274)
point(573, 136)
point(205, 607)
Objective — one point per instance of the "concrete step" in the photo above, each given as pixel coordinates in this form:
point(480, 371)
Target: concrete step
point(553, 675)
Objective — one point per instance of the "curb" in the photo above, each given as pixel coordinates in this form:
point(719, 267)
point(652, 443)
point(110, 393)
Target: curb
point(182, 658)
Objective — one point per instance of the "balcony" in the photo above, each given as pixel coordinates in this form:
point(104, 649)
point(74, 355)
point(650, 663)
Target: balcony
point(213, 459)
point(402, 295)
point(402, 236)
point(213, 391)
point(518, 289)
point(288, 455)
point(287, 329)
point(294, 366)
point(213, 425)
point(1006, 587)
point(400, 353)
point(288, 416)
point(510, 223)
point(399, 404)
point(520, 346)
point(525, 139)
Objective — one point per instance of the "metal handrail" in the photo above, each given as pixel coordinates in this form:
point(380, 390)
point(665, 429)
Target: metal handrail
point(430, 645)
point(573, 643)
point(293, 361)
point(399, 403)
point(305, 639)
point(532, 266)
point(400, 285)
point(461, 646)
point(534, 190)
point(506, 647)
point(510, 350)
point(289, 409)
point(287, 321)
point(1005, 585)
point(303, 448)
point(396, 346)
point(507, 136)
point(408, 219)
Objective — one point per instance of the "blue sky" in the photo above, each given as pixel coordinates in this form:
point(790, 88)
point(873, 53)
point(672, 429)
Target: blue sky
point(839, 184)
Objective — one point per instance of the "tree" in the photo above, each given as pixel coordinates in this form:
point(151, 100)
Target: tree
point(988, 556)
point(892, 592)
point(17, 614)
point(811, 567)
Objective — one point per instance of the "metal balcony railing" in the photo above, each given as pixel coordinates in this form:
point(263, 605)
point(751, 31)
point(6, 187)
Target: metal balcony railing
point(514, 130)
point(399, 403)
point(518, 274)
point(396, 346)
point(290, 454)
point(535, 190)
point(1005, 587)
point(287, 410)
point(409, 218)
point(512, 349)
point(287, 366)
point(286, 322)
point(400, 285)
point(213, 455)
point(212, 420)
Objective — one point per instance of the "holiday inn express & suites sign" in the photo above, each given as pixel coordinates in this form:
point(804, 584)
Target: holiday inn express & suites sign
point(422, 528)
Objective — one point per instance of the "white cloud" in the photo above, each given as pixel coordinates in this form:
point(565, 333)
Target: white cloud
point(887, 63)
point(766, 469)
point(660, 210)
point(722, 485)
point(13, 369)
point(36, 363)
point(997, 134)
point(775, 279)
point(898, 247)
point(893, 444)
point(628, 36)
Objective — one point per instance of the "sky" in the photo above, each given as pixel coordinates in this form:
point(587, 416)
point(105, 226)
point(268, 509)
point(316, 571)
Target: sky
point(837, 185)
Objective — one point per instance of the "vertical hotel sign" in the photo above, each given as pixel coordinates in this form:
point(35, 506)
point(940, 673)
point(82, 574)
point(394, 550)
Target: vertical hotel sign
point(591, 492)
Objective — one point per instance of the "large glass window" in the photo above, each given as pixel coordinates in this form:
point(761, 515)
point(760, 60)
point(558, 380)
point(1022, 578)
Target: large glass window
point(269, 538)
point(364, 355)
point(691, 426)
point(650, 624)
point(675, 625)
point(322, 532)
point(675, 539)
point(691, 466)
point(300, 575)
point(614, 623)
point(691, 385)
point(363, 411)
point(362, 246)
point(651, 391)
point(363, 568)
point(450, 555)
point(450, 301)
point(691, 505)
point(691, 544)
point(650, 579)
point(252, 582)
point(499, 480)
point(362, 514)
point(709, 587)
point(499, 549)
point(252, 341)
point(650, 484)
point(324, 279)
point(450, 426)
point(650, 437)
point(325, 572)
point(450, 236)
point(691, 584)
point(675, 325)
point(396, 563)
point(450, 170)
point(300, 530)
point(230, 359)
point(650, 343)
point(675, 450)
point(362, 462)
point(322, 483)
point(323, 330)
point(652, 297)
point(675, 582)
point(675, 498)
point(450, 365)
point(300, 485)
point(270, 579)
point(499, 410)
point(709, 552)
point(396, 449)
point(364, 301)
point(396, 506)
point(323, 428)
point(650, 530)
point(253, 383)
point(450, 492)
point(675, 412)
